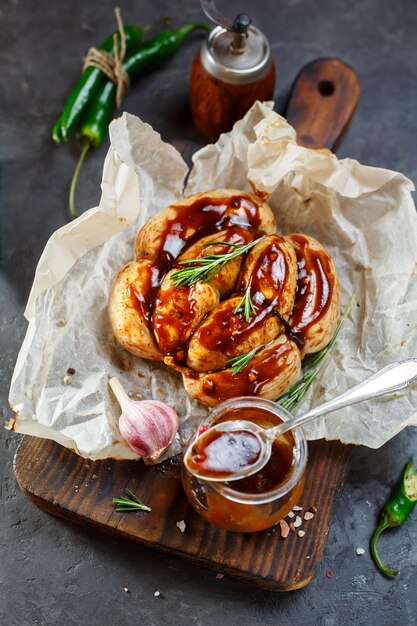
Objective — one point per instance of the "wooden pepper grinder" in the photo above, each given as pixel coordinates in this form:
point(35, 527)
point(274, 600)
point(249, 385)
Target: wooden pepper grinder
point(232, 70)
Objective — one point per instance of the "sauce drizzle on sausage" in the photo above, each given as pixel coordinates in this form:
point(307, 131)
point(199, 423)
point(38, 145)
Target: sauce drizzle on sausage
point(266, 280)
point(200, 219)
point(314, 289)
point(192, 222)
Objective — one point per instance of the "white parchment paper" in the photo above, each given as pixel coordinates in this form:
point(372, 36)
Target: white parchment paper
point(365, 216)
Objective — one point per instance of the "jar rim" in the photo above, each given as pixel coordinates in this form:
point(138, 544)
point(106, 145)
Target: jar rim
point(297, 467)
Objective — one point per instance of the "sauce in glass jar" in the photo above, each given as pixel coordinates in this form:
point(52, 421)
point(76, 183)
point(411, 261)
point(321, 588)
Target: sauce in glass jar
point(263, 499)
point(219, 454)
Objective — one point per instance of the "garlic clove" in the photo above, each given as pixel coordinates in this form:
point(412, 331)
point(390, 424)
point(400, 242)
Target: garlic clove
point(147, 426)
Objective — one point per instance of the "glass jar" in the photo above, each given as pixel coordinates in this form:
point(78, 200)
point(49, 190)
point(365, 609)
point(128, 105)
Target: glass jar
point(226, 80)
point(256, 502)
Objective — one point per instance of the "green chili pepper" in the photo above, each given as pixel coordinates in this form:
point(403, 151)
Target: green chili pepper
point(95, 120)
point(92, 79)
point(396, 511)
point(159, 49)
point(88, 83)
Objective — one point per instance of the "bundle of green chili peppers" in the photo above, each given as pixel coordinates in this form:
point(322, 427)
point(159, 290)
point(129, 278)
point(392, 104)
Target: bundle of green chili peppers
point(92, 100)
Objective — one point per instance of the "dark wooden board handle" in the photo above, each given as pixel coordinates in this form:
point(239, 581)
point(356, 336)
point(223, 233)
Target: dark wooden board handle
point(323, 100)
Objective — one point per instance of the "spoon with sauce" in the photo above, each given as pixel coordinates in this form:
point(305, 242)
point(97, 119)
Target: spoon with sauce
point(235, 449)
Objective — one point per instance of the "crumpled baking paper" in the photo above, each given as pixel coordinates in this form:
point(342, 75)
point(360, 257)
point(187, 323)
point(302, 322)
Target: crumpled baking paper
point(365, 217)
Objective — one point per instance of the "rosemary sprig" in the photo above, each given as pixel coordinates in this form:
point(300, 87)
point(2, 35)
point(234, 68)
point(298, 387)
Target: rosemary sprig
point(241, 361)
point(246, 304)
point(221, 243)
point(313, 364)
point(204, 268)
point(129, 504)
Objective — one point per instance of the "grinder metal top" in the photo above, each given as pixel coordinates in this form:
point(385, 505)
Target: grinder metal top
point(235, 51)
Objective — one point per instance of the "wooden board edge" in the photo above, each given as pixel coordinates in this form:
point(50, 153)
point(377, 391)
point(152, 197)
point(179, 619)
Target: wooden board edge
point(247, 577)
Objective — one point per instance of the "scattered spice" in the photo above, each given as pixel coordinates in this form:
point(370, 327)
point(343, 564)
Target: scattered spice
point(285, 529)
point(60, 322)
point(329, 573)
point(67, 380)
point(298, 521)
point(71, 371)
point(135, 395)
point(181, 525)
point(94, 477)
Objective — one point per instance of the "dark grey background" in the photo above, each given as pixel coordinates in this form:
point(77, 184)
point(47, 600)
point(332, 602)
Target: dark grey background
point(55, 573)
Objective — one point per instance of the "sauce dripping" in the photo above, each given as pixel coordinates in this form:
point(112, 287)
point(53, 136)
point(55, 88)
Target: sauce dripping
point(266, 365)
point(192, 222)
point(269, 274)
point(202, 218)
point(226, 330)
point(173, 325)
point(266, 281)
point(314, 288)
point(143, 298)
point(176, 310)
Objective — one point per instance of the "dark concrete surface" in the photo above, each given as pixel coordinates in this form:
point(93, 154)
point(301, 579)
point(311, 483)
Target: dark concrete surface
point(54, 573)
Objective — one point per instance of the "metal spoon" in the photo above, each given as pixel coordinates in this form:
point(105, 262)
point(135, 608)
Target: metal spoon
point(393, 377)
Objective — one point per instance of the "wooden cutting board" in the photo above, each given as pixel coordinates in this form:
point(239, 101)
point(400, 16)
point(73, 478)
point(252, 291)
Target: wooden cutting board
point(64, 484)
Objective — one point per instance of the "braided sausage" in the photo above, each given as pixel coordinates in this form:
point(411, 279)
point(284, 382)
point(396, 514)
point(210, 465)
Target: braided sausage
point(274, 303)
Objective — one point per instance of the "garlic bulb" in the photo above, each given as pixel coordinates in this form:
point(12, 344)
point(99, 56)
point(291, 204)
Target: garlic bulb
point(147, 426)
